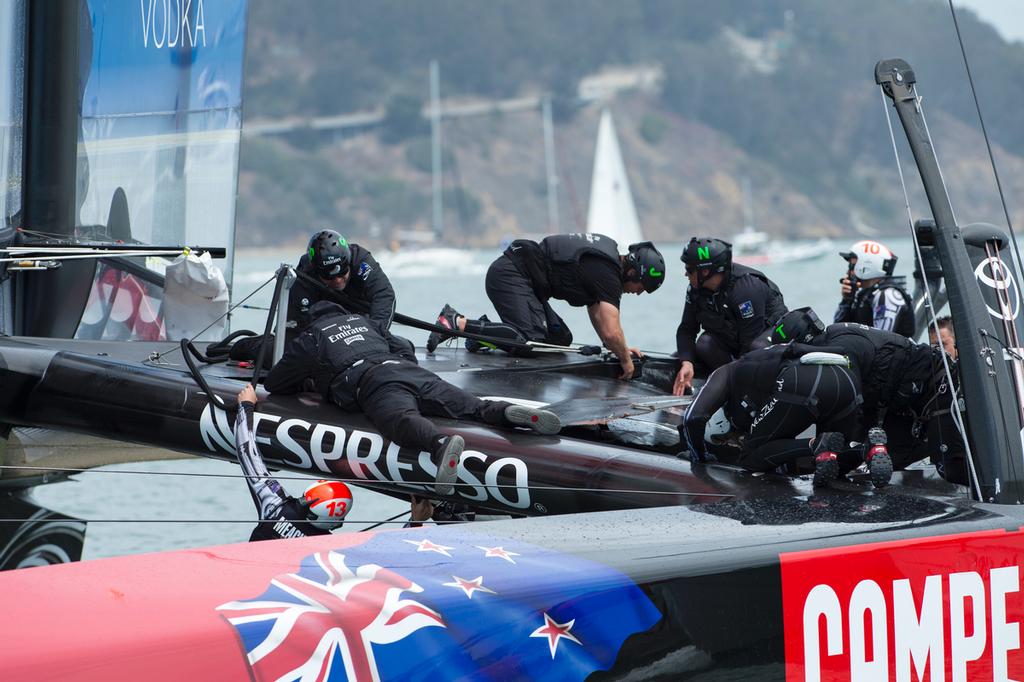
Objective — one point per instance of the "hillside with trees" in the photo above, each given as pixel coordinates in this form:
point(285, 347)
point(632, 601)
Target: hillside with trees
point(779, 93)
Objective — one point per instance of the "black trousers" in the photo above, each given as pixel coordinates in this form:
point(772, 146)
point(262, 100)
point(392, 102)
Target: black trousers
point(824, 396)
point(518, 306)
point(396, 396)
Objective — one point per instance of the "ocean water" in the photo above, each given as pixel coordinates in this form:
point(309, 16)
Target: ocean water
point(191, 502)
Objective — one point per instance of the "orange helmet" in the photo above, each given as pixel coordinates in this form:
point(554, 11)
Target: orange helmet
point(329, 502)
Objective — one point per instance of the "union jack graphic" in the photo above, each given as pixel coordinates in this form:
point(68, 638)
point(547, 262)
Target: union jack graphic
point(302, 626)
point(530, 613)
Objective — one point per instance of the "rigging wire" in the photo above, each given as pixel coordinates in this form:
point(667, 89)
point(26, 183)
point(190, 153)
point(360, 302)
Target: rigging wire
point(249, 521)
point(954, 407)
point(366, 482)
point(984, 132)
point(995, 173)
point(159, 356)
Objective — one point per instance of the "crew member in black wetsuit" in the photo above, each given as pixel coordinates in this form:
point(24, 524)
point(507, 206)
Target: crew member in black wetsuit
point(347, 269)
point(321, 509)
point(358, 365)
point(770, 397)
point(733, 304)
point(871, 295)
point(903, 384)
point(581, 269)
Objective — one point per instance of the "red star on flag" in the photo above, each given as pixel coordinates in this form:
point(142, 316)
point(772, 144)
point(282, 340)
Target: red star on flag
point(470, 586)
point(499, 552)
point(428, 546)
point(554, 632)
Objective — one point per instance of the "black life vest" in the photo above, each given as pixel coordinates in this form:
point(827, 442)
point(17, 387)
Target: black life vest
point(718, 312)
point(347, 346)
point(563, 253)
point(894, 371)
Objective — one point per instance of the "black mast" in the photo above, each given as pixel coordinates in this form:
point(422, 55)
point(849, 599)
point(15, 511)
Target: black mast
point(58, 52)
point(993, 417)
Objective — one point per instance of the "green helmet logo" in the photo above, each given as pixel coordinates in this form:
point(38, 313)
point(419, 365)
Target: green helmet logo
point(311, 252)
point(782, 334)
point(703, 252)
point(655, 273)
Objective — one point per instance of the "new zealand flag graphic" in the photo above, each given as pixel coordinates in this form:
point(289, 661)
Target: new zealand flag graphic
point(456, 604)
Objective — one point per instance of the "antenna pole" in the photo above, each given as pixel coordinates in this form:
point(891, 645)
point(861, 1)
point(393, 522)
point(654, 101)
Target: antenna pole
point(554, 223)
point(435, 147)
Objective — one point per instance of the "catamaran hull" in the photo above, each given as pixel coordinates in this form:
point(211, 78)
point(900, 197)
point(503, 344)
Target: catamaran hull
point(794, 589)
point(504, 470)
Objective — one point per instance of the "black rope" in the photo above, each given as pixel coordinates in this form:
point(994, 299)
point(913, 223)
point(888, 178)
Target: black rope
point(279, 277)
point(67, 520)
point(390, 519)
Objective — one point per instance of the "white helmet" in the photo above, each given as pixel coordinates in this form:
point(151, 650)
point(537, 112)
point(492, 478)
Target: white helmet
point(718, 425)
point(874, 259)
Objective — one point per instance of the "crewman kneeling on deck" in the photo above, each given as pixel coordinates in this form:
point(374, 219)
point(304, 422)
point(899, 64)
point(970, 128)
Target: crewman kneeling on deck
point(733, 304)
point(581, 269)
point(770, 397)
point(349, 271)
point(358, 365)
point(903, 384)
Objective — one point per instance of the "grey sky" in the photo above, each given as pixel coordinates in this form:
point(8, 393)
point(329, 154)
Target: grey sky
point(1006, 15)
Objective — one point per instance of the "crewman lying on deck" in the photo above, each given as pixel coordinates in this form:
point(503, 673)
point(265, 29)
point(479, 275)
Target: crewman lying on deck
point(581, 269)
point(357, 364)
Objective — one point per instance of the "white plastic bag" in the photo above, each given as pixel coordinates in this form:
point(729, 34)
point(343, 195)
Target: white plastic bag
point(195, 294)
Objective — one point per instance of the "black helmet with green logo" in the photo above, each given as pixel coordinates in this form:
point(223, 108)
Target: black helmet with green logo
point(329, 254)
point(647, 264)
point(707, 253)
point(801, 325)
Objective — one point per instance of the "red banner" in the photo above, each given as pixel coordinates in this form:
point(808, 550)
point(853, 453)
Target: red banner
point(936, 609)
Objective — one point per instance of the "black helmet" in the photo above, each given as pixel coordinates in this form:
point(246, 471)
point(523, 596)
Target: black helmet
point(329, 254)
point(648, 265)
point(800, 325)
point(703, 253)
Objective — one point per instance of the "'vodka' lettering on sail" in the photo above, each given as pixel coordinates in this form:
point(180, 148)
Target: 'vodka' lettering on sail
point(170, 23)
point(335, 450)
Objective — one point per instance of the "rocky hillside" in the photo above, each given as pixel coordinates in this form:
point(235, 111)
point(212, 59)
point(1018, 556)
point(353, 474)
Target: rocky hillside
point(784, 98)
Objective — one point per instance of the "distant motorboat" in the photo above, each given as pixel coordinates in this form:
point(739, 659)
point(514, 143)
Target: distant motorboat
point(753, 247)
point(416, 261)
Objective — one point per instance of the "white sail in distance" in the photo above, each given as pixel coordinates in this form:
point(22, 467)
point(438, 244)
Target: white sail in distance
point(611, 212)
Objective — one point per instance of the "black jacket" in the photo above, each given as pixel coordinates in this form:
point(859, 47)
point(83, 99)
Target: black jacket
point(368, 289)
point(742, 310)
point(741, 387)
point(335, 351)
point(894, 371)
